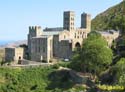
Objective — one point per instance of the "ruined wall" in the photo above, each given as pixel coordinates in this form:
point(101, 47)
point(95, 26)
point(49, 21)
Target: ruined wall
point(14, 54)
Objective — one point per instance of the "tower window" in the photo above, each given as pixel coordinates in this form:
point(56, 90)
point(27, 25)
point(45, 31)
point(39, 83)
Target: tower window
point(43, 49)
point(72, 19)
point(77, 36)
point(64, 36)
point(39, 49)
point(82, 36)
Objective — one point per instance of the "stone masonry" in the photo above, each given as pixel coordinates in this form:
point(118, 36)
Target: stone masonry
point(60, 42)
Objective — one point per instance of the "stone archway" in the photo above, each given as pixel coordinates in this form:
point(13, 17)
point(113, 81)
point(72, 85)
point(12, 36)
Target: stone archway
point(19, 60)
point(77, 46)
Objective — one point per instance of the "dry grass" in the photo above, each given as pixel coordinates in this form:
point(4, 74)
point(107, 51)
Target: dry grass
point(2, 80)
point(2, 53)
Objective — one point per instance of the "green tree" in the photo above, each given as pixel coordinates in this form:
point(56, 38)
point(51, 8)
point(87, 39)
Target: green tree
point(119, 70)
point(95, 55)
point(121, 46)
point(118, 24)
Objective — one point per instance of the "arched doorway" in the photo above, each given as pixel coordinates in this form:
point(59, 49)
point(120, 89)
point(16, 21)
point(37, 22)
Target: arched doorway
point(77, 46)
point(19, 60)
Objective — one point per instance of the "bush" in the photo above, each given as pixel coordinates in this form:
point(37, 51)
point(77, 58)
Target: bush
point(56, 66)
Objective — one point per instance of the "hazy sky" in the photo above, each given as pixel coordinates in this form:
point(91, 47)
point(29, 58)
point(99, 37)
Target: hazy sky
point(17, 15)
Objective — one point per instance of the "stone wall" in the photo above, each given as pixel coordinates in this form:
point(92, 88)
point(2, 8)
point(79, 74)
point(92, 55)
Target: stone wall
point(34, 31)
point(65, 49)
point(14, 54)
point(42, 48)
point(9, 54)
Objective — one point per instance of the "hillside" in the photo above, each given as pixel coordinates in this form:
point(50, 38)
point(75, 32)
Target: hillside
point(14, 43)
point(112, 18)
point(46, 79)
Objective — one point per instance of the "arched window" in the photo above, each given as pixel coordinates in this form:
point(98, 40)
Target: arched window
point(64, 36)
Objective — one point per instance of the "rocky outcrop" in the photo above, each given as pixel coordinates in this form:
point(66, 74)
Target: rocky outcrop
point(68, 78)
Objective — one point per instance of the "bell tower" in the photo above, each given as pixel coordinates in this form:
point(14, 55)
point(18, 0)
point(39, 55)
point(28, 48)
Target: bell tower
point(68, 20)
point(86, 21)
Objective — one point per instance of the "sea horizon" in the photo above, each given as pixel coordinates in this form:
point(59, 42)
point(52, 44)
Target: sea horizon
point(3, 42)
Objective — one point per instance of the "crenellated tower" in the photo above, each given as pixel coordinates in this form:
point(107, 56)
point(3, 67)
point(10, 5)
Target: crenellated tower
point(34, 31)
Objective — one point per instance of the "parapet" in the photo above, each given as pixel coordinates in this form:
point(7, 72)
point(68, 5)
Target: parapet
point(35, 31)
point(34, 28)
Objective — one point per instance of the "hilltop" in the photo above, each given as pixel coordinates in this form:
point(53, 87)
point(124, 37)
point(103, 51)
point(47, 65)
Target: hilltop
point(13, 43)
point(112, 18)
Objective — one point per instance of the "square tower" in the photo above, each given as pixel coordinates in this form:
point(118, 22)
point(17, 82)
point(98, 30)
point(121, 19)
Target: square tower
point(86, 21)
point(34, 31)
point(68, 20)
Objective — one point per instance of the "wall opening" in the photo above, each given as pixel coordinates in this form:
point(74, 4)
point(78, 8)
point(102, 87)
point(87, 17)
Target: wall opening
point(77, 46)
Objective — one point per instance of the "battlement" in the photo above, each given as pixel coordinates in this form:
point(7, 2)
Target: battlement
point(34, 28)
point(35, 31)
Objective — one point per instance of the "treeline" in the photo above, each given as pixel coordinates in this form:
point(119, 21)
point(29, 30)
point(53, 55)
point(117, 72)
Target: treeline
point(102, 62)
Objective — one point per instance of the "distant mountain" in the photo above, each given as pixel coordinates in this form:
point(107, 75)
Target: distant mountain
point(13, 44)
point(112, 18)
point(4, 42)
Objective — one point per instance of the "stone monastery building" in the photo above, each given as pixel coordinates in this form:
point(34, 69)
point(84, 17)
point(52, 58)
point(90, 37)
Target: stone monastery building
point(58, 42)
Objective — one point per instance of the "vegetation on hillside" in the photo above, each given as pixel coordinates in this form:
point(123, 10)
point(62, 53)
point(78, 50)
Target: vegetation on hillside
point(37, 79)
point(24, 80)
point(96, 58)
point(113, 18)
point(93, 58)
